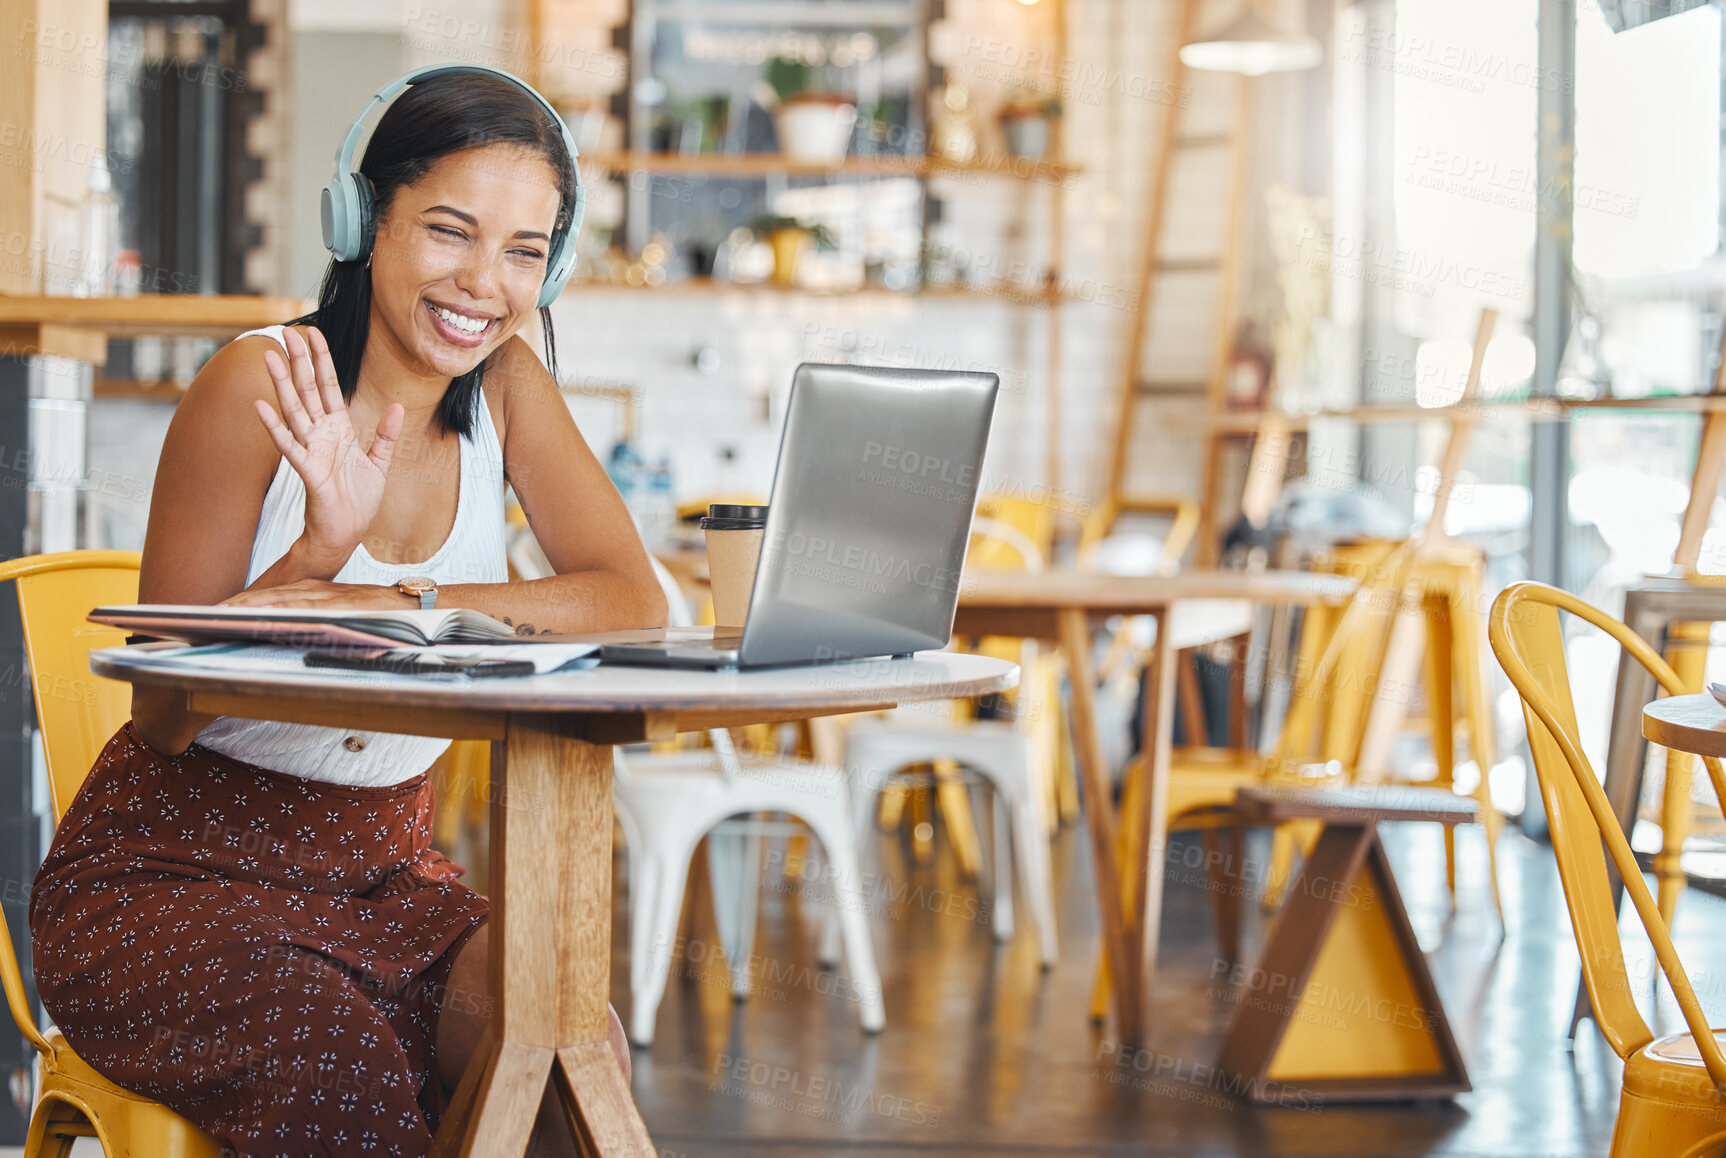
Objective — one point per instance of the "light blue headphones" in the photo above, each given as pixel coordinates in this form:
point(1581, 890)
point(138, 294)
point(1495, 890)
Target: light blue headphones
point(348, 205)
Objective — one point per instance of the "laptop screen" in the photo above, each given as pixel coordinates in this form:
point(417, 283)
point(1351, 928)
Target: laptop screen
point(871, 510)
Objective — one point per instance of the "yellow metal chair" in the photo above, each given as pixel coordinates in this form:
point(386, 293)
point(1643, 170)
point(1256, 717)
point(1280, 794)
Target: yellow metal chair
point(78, 712)
point(1674, 1099)
point(1444, 587)
point(1316, 748)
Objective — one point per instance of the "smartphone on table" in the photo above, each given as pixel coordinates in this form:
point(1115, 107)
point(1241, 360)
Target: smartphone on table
point(402, 661)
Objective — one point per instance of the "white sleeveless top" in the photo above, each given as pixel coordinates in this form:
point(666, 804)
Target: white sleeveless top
point(475, 552)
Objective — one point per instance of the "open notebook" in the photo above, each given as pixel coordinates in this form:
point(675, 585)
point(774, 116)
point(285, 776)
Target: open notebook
point(315, 627)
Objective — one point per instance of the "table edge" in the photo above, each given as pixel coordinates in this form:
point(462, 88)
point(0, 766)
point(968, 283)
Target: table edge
point(1716, 747)
point(370, 697)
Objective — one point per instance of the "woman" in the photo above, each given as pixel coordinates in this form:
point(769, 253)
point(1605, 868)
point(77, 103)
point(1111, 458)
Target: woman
point(244, 919)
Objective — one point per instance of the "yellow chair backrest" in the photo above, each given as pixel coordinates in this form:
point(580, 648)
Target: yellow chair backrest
point(1338, 668)
point(1528, 640)
point(1034, 521)
point(77, 711)
point(1004, 537)
point(1183, 514)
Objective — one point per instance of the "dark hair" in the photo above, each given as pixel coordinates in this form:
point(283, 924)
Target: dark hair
point(446, 114)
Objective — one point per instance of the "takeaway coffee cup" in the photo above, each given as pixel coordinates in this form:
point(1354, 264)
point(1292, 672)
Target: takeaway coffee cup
point(733, 533)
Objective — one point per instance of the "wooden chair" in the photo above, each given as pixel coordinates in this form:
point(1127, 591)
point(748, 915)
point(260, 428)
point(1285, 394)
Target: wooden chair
point(78, 713)
point(1673, 1103)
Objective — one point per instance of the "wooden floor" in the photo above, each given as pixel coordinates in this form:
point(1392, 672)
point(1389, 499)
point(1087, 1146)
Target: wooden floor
point(984, 1054)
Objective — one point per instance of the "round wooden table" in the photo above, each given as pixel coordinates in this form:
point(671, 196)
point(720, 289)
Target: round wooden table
point(551, 834)
point(1060, 605)
point(1694, 724)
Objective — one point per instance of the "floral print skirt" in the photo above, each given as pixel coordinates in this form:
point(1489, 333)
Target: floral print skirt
point(264, 954)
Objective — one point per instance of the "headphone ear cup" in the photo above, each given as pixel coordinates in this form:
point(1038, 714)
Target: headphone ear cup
point(332, 217)
point(343, 211)
point(560, 264)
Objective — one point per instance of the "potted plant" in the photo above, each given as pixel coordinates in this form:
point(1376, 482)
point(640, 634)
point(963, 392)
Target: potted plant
point(789, 238)
point(813, 125)
point(1025, 122)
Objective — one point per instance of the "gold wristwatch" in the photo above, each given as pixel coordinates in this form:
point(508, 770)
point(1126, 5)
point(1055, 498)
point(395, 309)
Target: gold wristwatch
point(419, 587)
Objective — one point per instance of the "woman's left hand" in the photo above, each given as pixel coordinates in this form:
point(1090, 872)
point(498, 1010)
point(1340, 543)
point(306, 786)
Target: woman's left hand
point(322, 593)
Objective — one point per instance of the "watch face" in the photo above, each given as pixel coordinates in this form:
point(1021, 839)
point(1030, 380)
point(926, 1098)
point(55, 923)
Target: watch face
point(417, 584)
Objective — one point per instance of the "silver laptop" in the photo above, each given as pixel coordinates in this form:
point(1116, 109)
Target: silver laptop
point(866, 531)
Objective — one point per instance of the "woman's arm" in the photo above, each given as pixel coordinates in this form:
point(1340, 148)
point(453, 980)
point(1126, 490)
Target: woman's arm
point(604, 580)
point(245, 410)
point(216, 464)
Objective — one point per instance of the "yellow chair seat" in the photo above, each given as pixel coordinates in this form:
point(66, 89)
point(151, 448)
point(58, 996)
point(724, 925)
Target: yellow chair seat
point(55, 593)
point(1670, 1069)
point(78, 1102)
point(1201, 761)
point(1207, 778)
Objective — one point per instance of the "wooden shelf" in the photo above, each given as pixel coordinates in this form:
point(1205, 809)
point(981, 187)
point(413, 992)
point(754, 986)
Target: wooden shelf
point(1248, 422)
point(138, 390)
point(1013, 295)
point(1678, 402)
point(1536, 409)
point(80, 327)
point(763, 164)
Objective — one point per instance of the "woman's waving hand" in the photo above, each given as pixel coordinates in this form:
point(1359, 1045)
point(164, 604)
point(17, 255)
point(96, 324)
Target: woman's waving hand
point(344, 482)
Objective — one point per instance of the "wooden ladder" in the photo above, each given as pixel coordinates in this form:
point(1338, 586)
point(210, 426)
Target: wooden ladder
point(1177, 144)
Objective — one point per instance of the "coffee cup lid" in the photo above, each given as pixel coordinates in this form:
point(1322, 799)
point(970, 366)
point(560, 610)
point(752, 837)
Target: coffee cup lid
point(734, 517)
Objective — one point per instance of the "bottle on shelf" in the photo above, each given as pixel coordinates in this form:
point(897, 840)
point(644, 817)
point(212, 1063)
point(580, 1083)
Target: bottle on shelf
point(623, 465)
point(128, 273)
point(98, 234)
point(661, 505)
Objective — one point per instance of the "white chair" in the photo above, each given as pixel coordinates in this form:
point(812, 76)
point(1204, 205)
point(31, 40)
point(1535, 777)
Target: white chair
point(667, 801)
point(999, 753)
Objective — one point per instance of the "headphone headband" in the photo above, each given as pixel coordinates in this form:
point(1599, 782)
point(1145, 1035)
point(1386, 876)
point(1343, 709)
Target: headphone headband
point(347, 212)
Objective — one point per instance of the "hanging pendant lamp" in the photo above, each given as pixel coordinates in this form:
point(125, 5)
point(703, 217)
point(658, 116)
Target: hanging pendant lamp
point(1252, 44)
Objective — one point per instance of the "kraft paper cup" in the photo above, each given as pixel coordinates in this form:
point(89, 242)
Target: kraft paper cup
point(734, 533)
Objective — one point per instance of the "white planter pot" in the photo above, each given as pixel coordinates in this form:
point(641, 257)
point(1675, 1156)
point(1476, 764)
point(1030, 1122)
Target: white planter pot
point(815, 131)
point(1027, 136)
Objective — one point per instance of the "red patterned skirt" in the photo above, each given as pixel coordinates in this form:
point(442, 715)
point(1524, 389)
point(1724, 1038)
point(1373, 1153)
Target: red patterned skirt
point(265, 954)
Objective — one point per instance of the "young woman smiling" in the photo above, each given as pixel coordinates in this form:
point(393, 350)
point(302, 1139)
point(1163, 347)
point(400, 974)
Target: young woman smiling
point(243, 919)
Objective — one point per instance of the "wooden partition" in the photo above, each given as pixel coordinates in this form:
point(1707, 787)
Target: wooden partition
point(52, 123)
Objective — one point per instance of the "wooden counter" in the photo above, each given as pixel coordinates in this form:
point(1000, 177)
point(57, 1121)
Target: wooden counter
point(80, 327)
